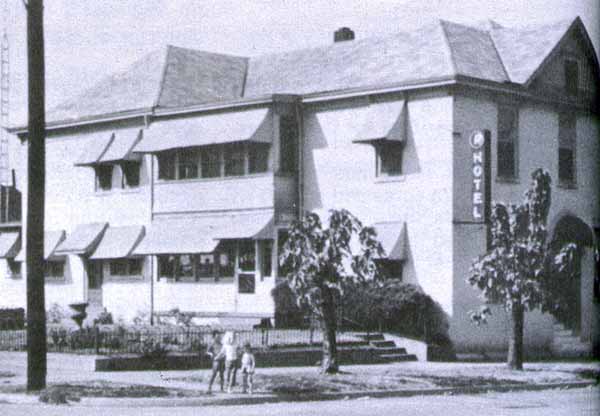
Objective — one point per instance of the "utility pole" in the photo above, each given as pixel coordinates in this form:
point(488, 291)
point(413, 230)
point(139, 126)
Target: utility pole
point(36, 159)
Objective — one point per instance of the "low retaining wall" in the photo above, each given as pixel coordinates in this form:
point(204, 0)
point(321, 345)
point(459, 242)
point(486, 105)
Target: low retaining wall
point(270, 358)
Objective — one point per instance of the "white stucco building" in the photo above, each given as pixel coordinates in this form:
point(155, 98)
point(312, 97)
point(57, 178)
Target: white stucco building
point(169, 184)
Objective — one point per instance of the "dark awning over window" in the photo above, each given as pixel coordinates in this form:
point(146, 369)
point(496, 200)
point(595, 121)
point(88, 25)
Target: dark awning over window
point(118, 242)
point(382, 121)
point(392, 236)
point(250, 125)
point(83, 240)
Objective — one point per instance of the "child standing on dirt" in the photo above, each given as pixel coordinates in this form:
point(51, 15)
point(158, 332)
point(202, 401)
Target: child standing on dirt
point(229, 353)
point(248, 365)
point(218, 365)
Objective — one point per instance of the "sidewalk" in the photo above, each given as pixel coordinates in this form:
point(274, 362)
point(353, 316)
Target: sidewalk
point(187, 388)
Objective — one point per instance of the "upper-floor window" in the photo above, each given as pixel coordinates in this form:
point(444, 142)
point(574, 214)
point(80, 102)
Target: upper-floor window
point(131, 174)
point(258, 157)
point(126, 267)
point(508, 136)
point(104, 174)
point(166, 165)
point(235, 159)
point(231, 159)
point(187, 164)
point(567, 140)
point(571, 76)
point(389, 157)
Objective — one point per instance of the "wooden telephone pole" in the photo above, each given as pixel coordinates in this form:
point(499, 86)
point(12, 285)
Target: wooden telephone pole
point(36, 158)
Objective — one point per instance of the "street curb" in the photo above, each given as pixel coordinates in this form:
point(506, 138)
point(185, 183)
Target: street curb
point(379, 394)
point(264, 399)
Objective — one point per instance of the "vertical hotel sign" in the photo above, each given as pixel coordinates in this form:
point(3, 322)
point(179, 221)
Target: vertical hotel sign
point(481, 176)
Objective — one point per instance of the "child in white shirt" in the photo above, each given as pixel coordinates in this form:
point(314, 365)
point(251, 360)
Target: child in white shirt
point(248, 365)
point(229, 352)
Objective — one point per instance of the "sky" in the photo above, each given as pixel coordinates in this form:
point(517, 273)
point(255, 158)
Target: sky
point(87, 40)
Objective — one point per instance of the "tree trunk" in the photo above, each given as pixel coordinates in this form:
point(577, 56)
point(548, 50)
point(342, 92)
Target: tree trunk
point(515, 346)
point(329, 364)
point(36, 313)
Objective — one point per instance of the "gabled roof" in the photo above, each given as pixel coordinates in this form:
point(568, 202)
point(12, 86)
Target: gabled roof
point(524, 50)
point(177, 77)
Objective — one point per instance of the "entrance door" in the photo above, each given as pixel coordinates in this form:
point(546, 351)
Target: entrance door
point(95, 277)
point(246, 274)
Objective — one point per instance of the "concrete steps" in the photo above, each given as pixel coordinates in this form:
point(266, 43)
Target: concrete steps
point(386, 349)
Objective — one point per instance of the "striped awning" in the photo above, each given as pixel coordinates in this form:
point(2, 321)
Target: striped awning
point(10, 244)
point(249, 125)
point(382, 121)
point(202, 235)
point(51, 240)
point(118, 242)
point(393, 238)
point(95, 148)
point(121, 147)
point(83, 240)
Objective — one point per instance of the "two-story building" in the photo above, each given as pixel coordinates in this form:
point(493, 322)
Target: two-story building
point(170, 185)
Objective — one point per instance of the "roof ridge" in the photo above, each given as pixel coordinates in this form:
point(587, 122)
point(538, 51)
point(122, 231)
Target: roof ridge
point(161, 82)
point(490, 33)
point(442, 26)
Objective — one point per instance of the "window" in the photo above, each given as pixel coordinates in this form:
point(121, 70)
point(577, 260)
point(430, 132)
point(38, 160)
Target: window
point(54, 269)
point(206, 266)
point(389, 158)
point(258, 157)
point(131, 174)
point(247, 266)
point(288, 149)
point(166, 266)
point(14, 268)
point(266, 258)
point(104, 177)
point(187, 166)
point(126, 267)
point(226, 259)
point(235, 159)
point(571, 77)
point(390, 269)
point(211, 162)
point(566, 149)
point(166, 165)
point(118, 267)
point(507, 141)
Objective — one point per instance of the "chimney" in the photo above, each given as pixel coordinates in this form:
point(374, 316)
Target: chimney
point(343, 34)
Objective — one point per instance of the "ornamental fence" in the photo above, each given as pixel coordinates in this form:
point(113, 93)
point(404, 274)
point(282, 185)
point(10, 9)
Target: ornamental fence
point(148, 340)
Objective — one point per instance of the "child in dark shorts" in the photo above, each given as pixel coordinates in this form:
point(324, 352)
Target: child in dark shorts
point(218, 363)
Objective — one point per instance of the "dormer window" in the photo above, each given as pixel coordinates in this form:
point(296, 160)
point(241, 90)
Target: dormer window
point(571, 77)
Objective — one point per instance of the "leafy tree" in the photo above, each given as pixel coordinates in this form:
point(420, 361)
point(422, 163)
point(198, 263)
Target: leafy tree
point(520, 268)
point(319, 261)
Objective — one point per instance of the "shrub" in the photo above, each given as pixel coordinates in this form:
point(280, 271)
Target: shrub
point(287, 312)
point(153, 350)
point(396, 307)
point(141, 318)
point(104, 318)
